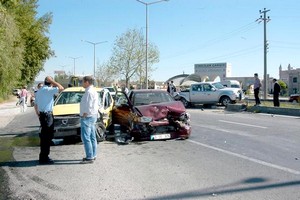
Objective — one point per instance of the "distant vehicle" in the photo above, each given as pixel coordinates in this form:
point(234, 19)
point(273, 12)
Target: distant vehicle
point(112, 91)
point(295, 98)
point(16, 92)
point(209, 93)
point(231, 84)
point(76, 81)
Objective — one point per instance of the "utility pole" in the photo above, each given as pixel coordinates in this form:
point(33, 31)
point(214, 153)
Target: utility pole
point(265, 19)
point(146, 60)
point(74, 58)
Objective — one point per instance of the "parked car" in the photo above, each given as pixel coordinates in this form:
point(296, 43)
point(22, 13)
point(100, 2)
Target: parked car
point(112, 91)
point(209, 93)
point(295, 98)
point(16, 92)
point(149, 115)
point(231, 84)
point(66, 112)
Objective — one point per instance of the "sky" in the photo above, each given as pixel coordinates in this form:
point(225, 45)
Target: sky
point(186, 32)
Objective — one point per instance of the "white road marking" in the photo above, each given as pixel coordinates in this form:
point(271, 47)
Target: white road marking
point(243, 124)
point(285, 169)
point(235, 132)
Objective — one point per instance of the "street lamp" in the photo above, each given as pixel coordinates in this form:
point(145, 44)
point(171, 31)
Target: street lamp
point(94, 43)
point(74, 58)
point(147, 4)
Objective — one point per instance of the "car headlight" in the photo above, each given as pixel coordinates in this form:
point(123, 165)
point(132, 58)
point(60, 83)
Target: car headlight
point(145, 119)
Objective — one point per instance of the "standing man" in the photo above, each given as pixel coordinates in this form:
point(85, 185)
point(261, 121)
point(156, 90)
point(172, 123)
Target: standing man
point(172, 88)
point(44, 99)
point(257, 86)
point(276, 92)
point(88, 112)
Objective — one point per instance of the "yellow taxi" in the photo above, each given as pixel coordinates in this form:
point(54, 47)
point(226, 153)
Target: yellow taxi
point(66, 112)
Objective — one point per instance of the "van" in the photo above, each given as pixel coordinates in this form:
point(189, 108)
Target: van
point(231, 84)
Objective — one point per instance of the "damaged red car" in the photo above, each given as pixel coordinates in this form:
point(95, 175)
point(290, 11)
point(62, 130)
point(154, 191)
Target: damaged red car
point(149, 115)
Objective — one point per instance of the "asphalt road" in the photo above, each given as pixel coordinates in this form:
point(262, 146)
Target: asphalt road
point(229, 156)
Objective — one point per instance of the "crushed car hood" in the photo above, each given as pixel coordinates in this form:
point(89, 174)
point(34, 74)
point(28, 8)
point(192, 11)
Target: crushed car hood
point(66, 109)
point(161, 110)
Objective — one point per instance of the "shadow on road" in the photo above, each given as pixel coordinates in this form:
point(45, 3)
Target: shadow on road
point(229, 189)
point(34, 163)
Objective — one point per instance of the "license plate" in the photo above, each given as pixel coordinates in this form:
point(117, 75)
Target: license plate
point(160, 137)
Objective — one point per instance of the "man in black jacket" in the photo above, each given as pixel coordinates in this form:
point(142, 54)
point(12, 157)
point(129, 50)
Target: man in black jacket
point(276, 92)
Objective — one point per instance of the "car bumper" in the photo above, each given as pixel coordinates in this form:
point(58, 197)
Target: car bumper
point(66, 126)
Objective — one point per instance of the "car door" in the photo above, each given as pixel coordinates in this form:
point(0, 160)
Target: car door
point(105, 107)
point(196, 94)
point(210, 94)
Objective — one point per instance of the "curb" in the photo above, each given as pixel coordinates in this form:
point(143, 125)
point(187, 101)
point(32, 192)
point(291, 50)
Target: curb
point(263, 109)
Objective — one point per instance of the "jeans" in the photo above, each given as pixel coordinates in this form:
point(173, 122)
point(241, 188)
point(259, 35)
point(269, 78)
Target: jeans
point(88, 136)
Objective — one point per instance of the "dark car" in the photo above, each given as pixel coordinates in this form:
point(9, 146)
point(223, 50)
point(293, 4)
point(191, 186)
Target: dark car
point(295, 98)
point(150, 115)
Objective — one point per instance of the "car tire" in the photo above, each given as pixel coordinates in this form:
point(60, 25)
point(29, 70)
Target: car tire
point(185, 102)
point(225, 101)
point(100, 132)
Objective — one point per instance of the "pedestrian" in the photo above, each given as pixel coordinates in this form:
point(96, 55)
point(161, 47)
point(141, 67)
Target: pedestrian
point(88, 117)
point(172, 88)
point(44, 99)
point(276, 92)
point(23, 99)
point(168, 87)
point(257, 86)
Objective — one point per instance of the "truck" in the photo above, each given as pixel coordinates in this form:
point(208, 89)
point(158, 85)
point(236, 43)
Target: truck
point(209, 93)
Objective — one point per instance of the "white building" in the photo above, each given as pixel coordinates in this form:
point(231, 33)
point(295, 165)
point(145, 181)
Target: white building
point(291, 77)
point(211, 71)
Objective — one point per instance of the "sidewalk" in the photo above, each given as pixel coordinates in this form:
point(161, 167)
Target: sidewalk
point(8, 111)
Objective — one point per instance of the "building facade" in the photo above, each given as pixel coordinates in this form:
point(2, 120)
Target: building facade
point(212, 71)
point(291, 77)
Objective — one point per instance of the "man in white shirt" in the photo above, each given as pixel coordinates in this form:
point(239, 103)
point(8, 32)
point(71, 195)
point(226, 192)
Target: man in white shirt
point(88, 113)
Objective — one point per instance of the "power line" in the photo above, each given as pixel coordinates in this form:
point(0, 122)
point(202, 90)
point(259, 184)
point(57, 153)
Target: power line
point(216, 40)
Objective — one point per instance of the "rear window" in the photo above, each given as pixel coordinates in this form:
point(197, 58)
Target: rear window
point(150, 98)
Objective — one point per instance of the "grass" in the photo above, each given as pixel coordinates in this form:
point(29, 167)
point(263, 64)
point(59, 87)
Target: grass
point(9, 99)
point(8, 143)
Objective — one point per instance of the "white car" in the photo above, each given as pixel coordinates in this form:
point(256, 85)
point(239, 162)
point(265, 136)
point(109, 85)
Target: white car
point(111, 90)
point(209, 93)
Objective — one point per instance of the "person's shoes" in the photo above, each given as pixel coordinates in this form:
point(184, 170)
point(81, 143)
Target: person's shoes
point(48, 161)
point(87, 161)
point(84, 159)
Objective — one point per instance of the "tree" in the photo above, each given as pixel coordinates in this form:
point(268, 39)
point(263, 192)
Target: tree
point(11, 53)
point(104, 74)
point(128, 59)
point(33, 32)
point(283, 87)
point(24, 46)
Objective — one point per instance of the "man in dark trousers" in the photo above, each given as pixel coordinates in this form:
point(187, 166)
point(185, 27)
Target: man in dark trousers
point(44, 99)
point(256, 86)
point(276, 92)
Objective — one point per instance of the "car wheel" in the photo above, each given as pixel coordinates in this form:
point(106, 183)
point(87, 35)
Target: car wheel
point(225, 101)
point(100, 132)
point(185, 102)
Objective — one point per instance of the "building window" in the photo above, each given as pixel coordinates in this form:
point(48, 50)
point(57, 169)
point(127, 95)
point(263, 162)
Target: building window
point(295, 91)
point(295, 80)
